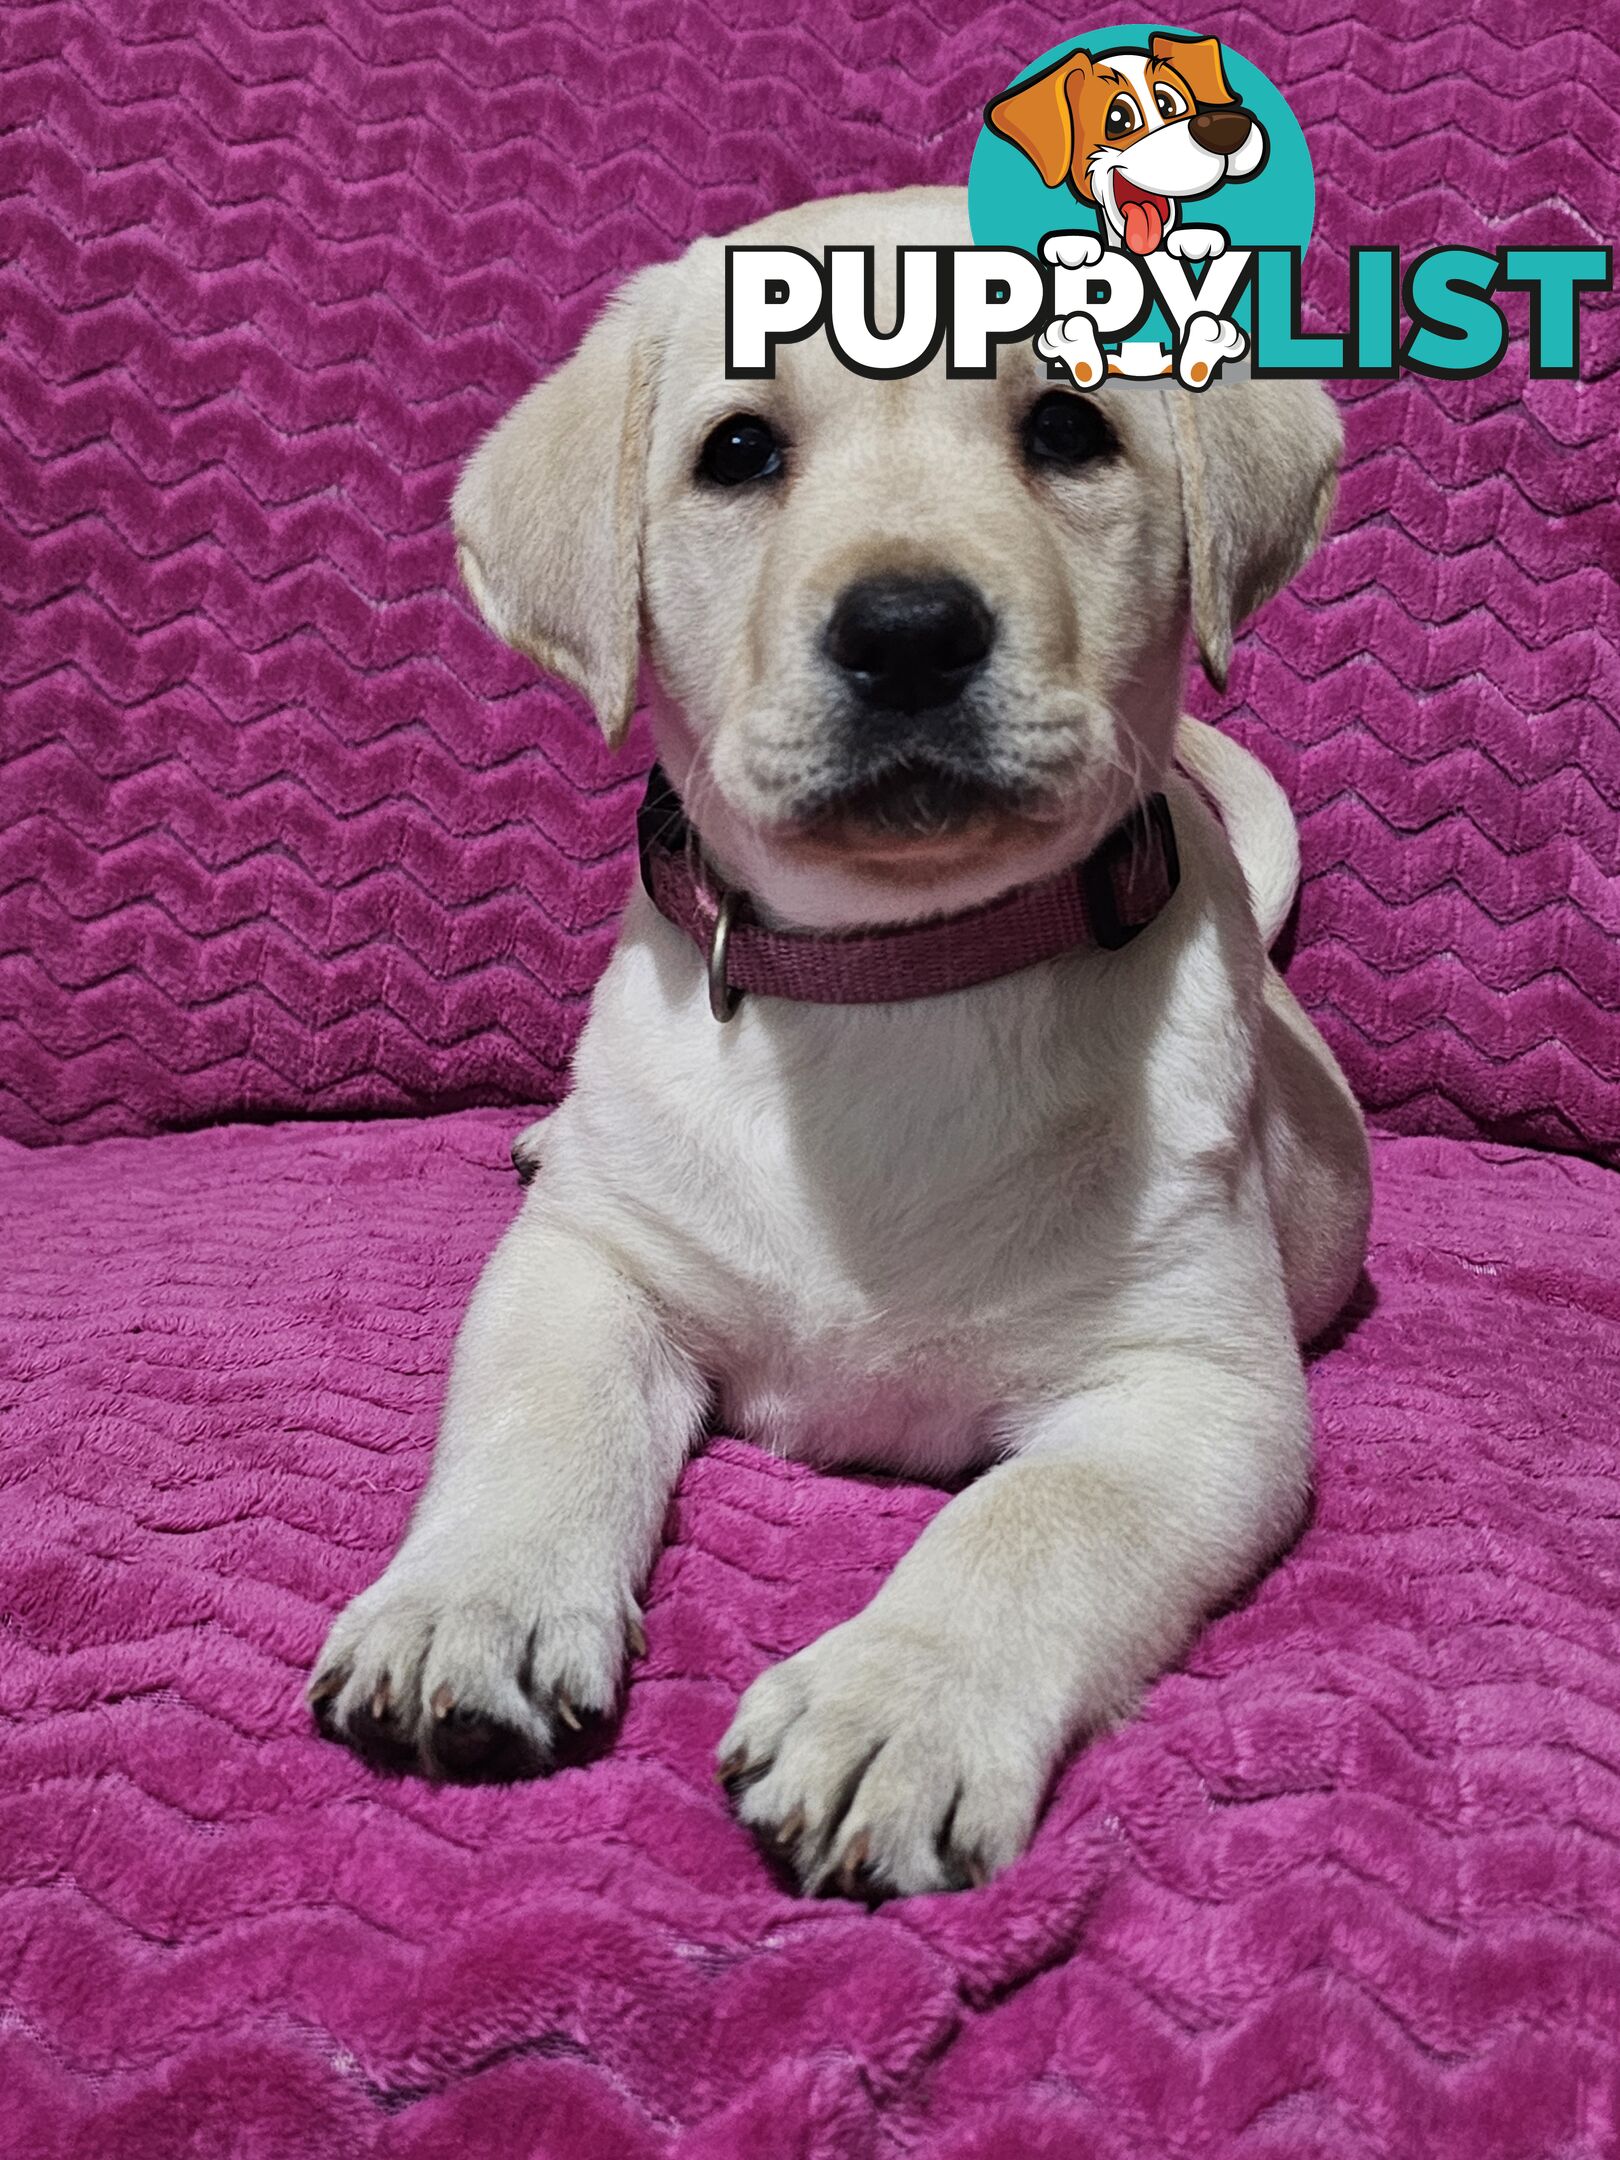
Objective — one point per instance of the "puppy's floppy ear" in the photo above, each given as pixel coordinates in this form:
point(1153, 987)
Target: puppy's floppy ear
point(548, 513)
point(1259, 464)
point(1197, 60)
point(1036, 118)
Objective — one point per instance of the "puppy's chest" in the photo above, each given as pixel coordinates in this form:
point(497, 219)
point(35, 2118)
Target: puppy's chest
point(873, 1317)
point(877, 1232)
point(861, 1281)
point(815, 1401)
point(901, 1336)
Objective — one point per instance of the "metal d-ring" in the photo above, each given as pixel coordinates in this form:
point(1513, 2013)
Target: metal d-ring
point(723, 1000)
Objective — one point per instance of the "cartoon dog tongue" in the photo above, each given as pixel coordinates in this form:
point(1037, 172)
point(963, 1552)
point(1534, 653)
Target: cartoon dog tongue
point(1144, 225)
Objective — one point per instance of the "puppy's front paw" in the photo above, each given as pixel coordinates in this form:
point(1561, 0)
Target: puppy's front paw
point(881, 1762)
point(430, 1671)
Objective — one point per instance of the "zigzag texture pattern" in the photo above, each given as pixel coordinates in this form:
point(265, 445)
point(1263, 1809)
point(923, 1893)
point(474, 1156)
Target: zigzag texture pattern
point(1349, 1886)
point(282, 830)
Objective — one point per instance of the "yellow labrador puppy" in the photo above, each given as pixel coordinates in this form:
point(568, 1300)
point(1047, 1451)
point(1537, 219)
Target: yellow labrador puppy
point(940, 1107)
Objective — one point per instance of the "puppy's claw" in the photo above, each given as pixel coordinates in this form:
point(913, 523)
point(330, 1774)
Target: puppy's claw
point(567, 1712)
point(737, 1773)
point(323, 1696)
point(443, 1702)
point(637, 1635)
point(852, 1870)
point(788, 1831)
point(372, 1727)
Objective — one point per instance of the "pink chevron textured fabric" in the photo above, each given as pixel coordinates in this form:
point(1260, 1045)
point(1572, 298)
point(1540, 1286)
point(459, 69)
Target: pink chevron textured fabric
point(285, 836)
point(282, 830)
point(1349, 1886)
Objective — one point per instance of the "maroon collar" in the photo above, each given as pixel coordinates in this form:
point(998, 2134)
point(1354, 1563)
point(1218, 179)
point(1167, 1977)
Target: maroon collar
point(1100, 903)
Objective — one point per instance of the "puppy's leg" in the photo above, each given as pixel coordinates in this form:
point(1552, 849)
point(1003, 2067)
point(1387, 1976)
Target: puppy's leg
point(511, 1601)
point(908, 1750)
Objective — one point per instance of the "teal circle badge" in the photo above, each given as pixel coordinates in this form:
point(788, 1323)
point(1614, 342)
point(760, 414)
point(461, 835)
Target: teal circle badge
point(1135, 109)
point(1152, 150)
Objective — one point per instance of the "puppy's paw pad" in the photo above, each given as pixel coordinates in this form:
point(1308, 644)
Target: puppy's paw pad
point(872, 1766)
point(419, 1677)
point(465, 1742)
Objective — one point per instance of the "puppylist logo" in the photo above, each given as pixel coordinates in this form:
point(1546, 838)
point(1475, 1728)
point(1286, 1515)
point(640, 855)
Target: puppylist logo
point(1145, 137)
point(1141, 200)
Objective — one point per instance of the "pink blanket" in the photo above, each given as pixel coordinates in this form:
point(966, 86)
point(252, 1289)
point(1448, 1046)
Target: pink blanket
point(283, 834)
point(1351, 1884)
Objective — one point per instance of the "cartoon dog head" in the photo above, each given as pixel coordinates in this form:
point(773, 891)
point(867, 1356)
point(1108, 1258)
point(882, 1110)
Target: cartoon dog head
point(1134, 133)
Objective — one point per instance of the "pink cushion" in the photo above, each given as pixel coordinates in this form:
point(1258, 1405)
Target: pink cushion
point(283, 831)
point(1349, 1885)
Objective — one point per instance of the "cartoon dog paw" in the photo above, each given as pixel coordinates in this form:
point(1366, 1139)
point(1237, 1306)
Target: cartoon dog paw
point(1196, 243)
point(1072, 250)
point(1073, 341)
point(1208, 341)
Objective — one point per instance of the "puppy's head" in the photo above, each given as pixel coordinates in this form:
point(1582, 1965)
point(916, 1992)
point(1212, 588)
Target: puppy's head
point(1134, 133)
point(912, 642)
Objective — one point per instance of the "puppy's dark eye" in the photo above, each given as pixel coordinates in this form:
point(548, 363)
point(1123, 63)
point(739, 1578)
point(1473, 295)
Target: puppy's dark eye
point(742, 448)
point(1066, 431)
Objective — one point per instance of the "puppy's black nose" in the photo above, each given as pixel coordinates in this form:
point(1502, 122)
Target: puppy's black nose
point(909, 643)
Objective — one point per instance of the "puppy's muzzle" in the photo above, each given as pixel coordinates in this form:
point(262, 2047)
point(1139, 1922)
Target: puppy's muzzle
point(915, 756)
